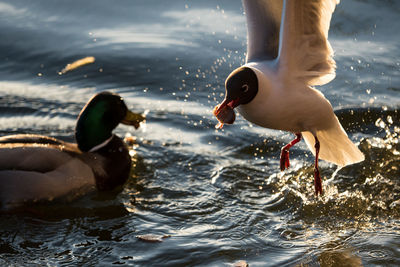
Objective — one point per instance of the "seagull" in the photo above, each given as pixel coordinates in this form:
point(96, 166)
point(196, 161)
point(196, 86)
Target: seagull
point(288, 53)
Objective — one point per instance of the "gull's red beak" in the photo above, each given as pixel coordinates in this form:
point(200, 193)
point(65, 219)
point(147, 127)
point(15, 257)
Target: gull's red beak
point(224, 112)
point(231, 103)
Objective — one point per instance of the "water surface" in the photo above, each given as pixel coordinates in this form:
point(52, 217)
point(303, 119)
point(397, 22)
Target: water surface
point(217, 195)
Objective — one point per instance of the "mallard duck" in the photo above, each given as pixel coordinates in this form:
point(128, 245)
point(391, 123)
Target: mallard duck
point(39, 168)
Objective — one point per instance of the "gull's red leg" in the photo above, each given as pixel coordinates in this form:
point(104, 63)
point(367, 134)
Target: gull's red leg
point(317, 177)
point(285, 152)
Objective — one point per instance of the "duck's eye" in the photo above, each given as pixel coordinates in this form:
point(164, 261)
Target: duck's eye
point(245, 88)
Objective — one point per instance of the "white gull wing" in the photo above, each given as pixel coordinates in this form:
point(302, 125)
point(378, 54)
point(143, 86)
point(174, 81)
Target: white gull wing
point(263, 23)
point(304, 50)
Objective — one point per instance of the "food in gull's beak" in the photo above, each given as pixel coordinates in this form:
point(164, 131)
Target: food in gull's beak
point(225, 114)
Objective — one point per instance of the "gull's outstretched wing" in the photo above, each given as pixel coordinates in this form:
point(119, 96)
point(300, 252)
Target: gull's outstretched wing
point(304, 50)
point(263, 22)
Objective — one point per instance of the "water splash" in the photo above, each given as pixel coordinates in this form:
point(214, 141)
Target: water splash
point(361, 195)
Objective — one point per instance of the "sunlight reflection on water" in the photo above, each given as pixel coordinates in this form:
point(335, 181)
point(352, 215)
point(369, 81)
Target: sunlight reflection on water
point(217, 193)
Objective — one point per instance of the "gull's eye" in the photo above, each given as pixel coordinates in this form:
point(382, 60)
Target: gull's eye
point(245, 88)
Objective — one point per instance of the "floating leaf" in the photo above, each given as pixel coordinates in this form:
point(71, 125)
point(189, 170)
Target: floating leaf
point(152, 238)
point(240, 264)
point(77, 64)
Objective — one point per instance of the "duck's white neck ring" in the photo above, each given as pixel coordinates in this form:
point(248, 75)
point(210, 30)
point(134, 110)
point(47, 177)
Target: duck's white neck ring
point(101, 145)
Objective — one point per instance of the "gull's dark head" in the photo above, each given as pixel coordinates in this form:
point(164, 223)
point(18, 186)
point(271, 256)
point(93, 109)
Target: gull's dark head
point(241, 88)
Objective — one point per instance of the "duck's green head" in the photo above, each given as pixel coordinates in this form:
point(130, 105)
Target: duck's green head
point(99, 117)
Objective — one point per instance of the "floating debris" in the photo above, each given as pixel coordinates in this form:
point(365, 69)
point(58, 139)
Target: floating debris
point(152, 238)
point(77, 64)
point(240, 264)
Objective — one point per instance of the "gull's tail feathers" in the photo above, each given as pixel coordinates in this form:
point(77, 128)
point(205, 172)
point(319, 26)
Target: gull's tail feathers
point(335, 146)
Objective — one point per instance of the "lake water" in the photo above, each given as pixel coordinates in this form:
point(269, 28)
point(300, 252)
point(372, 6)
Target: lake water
point(217, 196)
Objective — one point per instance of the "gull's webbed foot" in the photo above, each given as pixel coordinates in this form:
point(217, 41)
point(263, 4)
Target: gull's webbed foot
point(317, 176)
point(284, 162)
point(317, 182)
point(284, 159)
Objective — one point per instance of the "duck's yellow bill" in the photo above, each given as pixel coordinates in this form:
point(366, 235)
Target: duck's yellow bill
point(133, 119)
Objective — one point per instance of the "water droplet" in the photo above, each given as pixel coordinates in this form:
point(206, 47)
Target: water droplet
point(390, 119)
point(380, 123)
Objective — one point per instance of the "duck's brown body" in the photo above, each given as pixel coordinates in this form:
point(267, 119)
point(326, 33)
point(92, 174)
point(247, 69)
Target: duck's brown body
point(39, 168)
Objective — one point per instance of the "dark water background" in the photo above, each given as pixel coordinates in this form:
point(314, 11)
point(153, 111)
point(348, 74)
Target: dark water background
point(217, 194)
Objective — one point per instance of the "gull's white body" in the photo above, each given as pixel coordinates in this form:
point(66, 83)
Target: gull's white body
point(289, 56)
